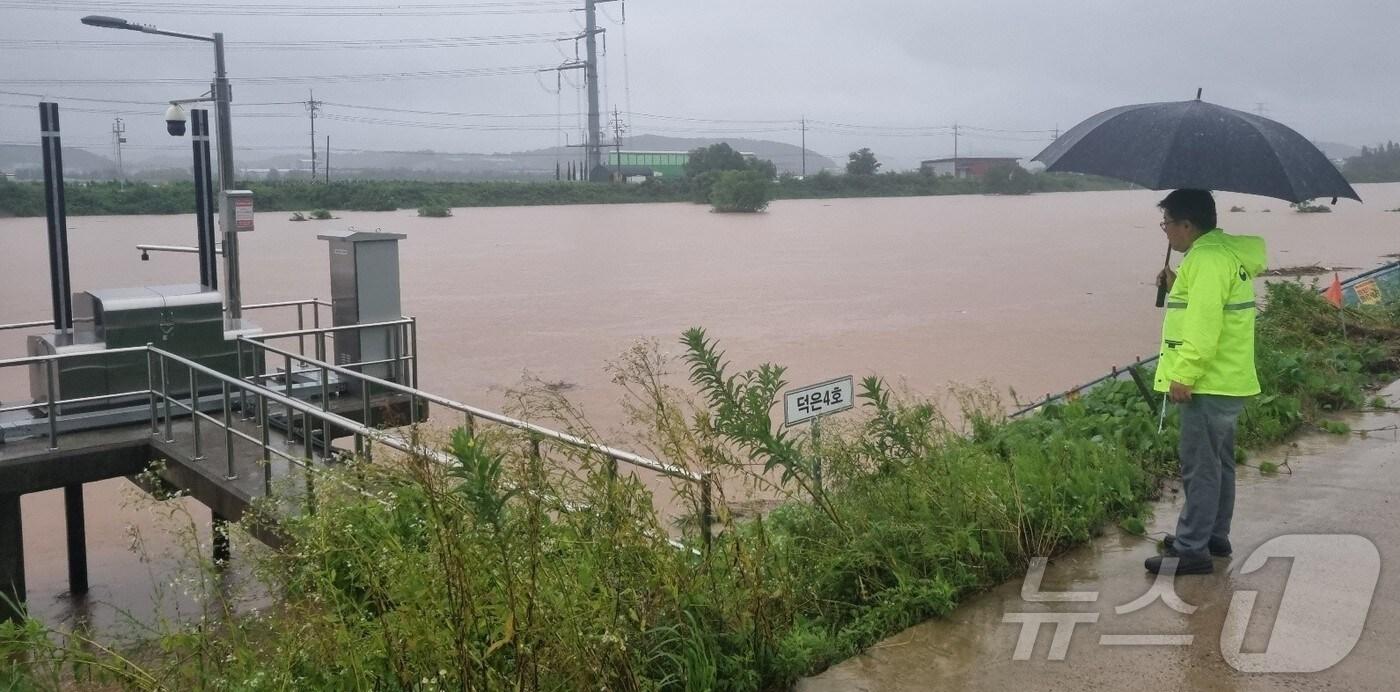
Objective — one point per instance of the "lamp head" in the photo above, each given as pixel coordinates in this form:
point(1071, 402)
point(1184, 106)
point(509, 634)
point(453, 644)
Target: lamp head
point(108, 22)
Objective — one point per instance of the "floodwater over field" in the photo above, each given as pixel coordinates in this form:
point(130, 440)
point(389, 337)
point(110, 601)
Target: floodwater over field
point(1036, 293)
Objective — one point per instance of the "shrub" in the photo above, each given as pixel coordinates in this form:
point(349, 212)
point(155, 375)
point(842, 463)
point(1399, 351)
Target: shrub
point(436, 211)
point(741, 191)
point(1008, 179)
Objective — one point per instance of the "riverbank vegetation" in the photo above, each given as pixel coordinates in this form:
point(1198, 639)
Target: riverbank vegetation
point(509, 569)
point(1379, 164)
point(94, 198)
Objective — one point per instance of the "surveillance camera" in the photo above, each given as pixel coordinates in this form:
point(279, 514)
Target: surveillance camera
point(175, 120)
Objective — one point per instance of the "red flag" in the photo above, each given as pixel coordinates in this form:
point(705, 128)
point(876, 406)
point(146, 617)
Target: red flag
point(1333, 294)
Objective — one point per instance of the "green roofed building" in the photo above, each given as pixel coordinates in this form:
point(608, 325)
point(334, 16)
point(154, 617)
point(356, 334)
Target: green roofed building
point(665, 164)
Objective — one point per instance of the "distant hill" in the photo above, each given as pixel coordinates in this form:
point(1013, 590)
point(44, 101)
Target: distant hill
point(537, 164)
point(787, 157)
point(28, 160)
point(1337, 151)
point(526, 165)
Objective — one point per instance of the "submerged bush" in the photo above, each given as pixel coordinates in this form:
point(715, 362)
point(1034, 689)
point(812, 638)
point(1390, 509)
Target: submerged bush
point(741, 191)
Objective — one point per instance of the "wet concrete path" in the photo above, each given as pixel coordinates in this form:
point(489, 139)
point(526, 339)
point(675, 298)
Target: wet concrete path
point(1340, 486)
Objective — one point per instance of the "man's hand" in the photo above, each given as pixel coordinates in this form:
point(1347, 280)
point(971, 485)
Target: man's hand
point(1166, 278)
point(1179, 393)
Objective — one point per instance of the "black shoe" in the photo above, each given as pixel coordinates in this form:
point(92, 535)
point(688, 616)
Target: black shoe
point(1183, 565)
point(1217, 548)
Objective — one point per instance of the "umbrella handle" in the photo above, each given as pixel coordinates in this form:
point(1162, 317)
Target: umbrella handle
point(1162, 285)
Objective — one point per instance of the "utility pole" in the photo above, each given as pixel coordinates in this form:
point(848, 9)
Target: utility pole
point(618, 129)
point(223, 120)
point(328, 159)
point(118, 139)
point(955, 150)
point(804, 146)
point(312, 105)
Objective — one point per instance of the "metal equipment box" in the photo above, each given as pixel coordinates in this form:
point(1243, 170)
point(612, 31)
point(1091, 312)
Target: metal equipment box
point(184, 319)
point(365, 289)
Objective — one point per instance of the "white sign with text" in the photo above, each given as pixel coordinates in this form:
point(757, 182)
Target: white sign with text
point(802, 405)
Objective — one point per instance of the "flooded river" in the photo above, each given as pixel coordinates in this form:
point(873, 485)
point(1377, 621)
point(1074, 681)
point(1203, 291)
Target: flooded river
point(1035, 293)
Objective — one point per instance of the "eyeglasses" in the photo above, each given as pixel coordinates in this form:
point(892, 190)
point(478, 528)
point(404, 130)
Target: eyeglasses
point(1164, 224)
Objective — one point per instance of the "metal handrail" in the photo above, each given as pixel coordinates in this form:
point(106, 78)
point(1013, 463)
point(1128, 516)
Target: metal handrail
point(364, 436)
point(1114, 373)
point(26, 325)
point(330, 330)
point(79, 400)
point(288, 303)
point(51, 377)
point(31, 360)
point(315, 303)
point(474, 412)
point(405, 360)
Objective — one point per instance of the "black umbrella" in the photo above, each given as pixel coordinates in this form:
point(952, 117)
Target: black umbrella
point(1194, 144)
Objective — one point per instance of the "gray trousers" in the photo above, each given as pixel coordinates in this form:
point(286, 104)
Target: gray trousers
point(1207, 453)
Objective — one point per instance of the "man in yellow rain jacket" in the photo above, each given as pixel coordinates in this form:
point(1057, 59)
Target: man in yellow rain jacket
point(1207, 369)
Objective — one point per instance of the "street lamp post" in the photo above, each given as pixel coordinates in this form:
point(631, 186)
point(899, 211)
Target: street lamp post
point(224, 126)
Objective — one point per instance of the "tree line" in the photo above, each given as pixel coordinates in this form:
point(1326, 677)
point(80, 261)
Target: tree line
point(716, 175)
point(1380, 164)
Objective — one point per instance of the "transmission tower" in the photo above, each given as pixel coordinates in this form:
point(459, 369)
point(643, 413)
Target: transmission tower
point(593, 147)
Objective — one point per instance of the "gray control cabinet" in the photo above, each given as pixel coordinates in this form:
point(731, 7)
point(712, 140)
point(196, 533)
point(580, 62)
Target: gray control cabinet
point(365, 289)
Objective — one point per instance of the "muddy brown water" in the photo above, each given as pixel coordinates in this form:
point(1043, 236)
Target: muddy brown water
point(1034, 293)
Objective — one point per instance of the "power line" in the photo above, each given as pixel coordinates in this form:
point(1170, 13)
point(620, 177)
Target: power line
point(299, 10)
point(483, 127)
point(656, 116)
point(80, 98)
point(339, 44)
point(292, 79)
point(457, 114)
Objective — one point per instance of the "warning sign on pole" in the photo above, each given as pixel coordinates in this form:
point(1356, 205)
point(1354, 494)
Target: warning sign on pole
point(237, 210)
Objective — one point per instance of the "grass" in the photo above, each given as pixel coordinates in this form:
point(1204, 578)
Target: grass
point(507, 569)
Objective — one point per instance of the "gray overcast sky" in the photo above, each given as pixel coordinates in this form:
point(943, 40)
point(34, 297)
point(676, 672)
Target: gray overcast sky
point(1325, 68)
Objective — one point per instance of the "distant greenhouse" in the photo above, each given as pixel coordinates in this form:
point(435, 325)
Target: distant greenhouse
point(666, 164)
point(965, 166)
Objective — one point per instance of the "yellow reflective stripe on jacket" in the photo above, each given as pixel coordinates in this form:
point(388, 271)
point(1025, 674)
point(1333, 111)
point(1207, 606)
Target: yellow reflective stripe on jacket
point(1231, 306)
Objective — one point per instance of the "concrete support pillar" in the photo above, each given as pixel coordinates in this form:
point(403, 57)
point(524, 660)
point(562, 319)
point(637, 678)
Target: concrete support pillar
point(221, 543)
point(11, 557)
point(77, 539)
